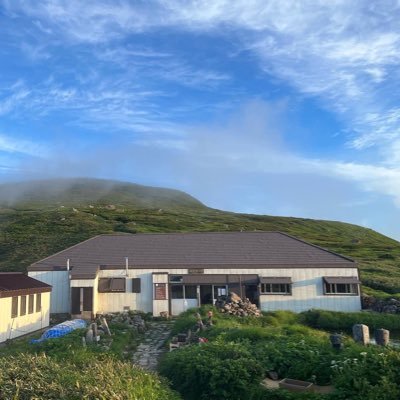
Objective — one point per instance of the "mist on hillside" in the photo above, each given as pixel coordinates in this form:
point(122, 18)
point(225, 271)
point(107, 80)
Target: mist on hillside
point(85, 190)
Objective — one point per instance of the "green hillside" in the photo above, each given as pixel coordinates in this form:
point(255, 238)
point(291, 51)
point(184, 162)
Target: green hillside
point(40, 218)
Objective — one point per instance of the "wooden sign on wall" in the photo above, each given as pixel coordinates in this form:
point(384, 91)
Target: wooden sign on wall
point(160, 291)
point(195, 271)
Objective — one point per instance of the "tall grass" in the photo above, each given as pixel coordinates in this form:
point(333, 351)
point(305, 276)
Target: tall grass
point(30, 376)
point(341, 321)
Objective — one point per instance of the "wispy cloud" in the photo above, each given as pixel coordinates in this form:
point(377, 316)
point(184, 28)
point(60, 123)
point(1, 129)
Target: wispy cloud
point(105, 75)
point(12, 145)
point(345, 53)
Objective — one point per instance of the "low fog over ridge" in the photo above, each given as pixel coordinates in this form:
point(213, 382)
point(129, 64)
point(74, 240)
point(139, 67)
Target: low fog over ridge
point(68, 191)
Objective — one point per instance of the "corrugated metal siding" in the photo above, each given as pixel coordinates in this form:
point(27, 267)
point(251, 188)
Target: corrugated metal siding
point(60, 295)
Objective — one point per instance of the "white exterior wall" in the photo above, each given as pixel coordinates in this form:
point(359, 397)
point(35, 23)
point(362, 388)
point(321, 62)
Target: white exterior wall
point(143, 301)
point(307, 289)
point(11, 328)
point(60, 293)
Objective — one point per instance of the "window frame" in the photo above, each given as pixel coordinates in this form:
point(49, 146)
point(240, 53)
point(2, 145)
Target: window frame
point(108, 289)
point(176, 278)
point(14, 306)
point(31, 303)
point(22, 307)
point(193, 296)
point(267, 289)
point(173, 292)
point(38, 304)
point(331, 289)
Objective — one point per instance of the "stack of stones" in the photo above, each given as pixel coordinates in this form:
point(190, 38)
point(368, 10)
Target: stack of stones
point(235, 305)
point(130, 319)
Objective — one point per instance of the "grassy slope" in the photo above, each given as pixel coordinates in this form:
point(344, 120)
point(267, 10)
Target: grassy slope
point(48, 221)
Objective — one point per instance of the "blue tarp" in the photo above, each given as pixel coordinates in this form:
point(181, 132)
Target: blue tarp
point(61, 330)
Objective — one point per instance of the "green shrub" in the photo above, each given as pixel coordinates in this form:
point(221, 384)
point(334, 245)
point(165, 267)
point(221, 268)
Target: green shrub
point(368, 375)
point(296, 357)
point(261, 393)
point(29, 376)
point(212, 371)
point(283, 317)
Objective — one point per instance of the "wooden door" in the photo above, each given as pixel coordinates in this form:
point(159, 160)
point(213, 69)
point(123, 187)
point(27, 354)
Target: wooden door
point(88, 299)
point(75, 300)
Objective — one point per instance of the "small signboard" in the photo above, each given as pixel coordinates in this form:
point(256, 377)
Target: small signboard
point(160, 291)
point(195, 271)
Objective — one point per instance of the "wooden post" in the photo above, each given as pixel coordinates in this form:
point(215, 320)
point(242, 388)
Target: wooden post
point(200, 324)
point(105, 326)
point(95, 332)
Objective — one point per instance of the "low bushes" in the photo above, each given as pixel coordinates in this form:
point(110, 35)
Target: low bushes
point(341, 321)
point(212, 371)
point(368, 375)
point(223, 367)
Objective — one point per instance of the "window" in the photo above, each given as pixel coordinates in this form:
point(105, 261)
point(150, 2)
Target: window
point(176, 278)
point(341, 285)
point(190, 292)
point(14, 307)
point(39, 302)
point(111, 285)
point(176, 292)
point(341, 288)
point(276, 288)
point(136, 285)
point(219, 291)
point(22, 310)
point(30, 303)
point(160, 291)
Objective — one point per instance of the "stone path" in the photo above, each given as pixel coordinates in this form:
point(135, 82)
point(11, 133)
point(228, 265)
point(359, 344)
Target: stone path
point(153, 346)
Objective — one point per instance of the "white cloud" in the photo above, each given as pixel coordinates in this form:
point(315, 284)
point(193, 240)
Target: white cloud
point(345, 53)
point(12, 145)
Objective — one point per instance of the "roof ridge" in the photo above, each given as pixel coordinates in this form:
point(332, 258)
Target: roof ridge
point(182, 233)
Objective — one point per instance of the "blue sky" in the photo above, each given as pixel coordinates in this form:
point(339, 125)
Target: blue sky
point(272, 107)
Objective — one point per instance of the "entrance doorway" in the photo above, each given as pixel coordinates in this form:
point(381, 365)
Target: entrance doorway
point(81, 300)
point(206, 294)
point(251, 292)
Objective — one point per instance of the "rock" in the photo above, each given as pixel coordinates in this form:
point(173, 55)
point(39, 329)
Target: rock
point(273, 375)
point(361, 333)
point(390, 306)
point(382, 337)
point(89, 335)
point(234, 305)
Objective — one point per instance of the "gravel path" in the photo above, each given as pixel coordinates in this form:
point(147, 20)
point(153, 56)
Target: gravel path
point(149, 351)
